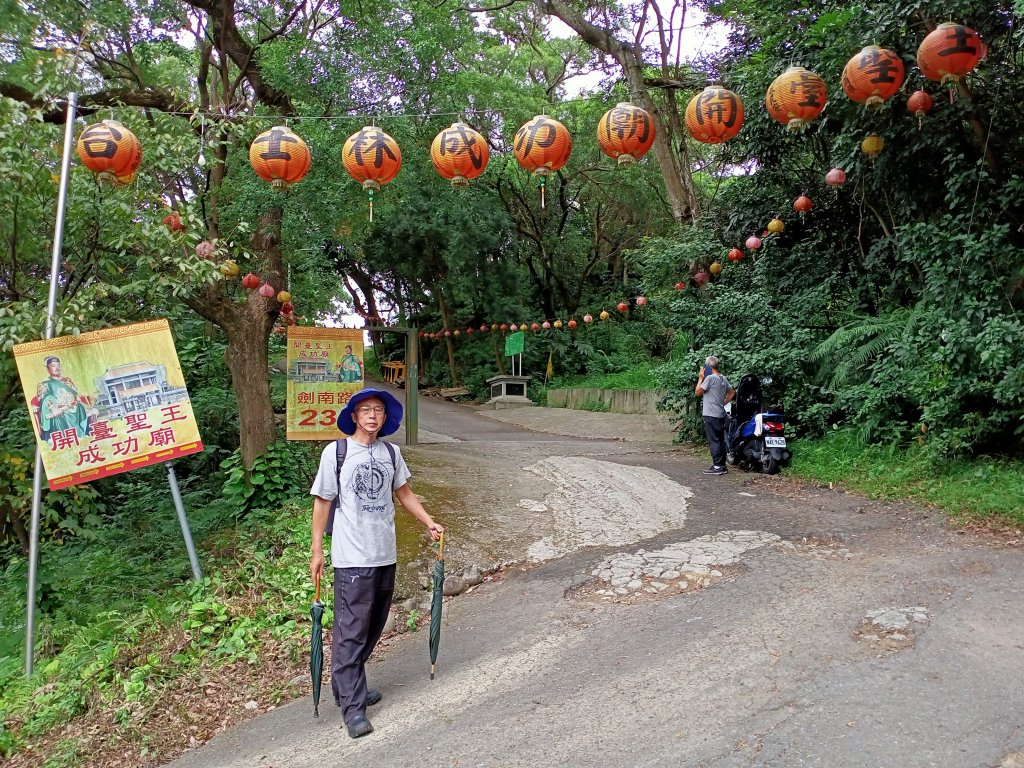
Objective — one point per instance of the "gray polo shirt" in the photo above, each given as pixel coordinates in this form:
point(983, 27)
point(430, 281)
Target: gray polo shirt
point(715, 387)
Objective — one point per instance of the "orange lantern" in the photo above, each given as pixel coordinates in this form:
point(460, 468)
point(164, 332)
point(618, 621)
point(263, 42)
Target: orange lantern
point(280, 157)
point(542, 146)
point(872, 145)
point(873, 76)
point(919, 104)
point(802, 205)
point(625, 133)
point(714, 115)
point(949, 52)
point(111, 151)
point(372, 158)
point(796, 97)
point(459, 154)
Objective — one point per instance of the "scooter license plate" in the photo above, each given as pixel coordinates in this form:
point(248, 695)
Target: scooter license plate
point(775, 442)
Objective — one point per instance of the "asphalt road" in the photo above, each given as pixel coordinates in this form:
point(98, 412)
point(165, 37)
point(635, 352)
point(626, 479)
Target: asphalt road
point(767, 666)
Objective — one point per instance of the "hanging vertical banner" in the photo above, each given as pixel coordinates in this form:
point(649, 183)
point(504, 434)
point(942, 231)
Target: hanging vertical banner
point(325, 368)
point(107, 402)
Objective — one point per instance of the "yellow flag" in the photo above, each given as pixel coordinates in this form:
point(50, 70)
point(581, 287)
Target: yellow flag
point(551, 368)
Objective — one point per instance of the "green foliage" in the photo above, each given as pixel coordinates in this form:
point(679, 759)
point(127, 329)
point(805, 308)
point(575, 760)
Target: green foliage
point(272, 479)
point(412, 620)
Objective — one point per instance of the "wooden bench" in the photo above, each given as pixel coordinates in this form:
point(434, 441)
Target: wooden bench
point(393, 371)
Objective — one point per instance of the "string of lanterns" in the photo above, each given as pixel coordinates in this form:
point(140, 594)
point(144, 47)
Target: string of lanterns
point(625, 133)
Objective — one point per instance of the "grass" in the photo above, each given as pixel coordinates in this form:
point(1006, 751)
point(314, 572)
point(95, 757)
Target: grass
point(640, 377)
point(983, 489)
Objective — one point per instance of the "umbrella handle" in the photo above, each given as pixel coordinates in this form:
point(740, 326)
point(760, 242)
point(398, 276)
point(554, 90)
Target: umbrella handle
point(316, 583)
point(440, 547)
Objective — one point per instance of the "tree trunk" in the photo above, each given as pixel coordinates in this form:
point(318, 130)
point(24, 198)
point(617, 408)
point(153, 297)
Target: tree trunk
point(675, 168)
point(446, 321)
point(247, 360)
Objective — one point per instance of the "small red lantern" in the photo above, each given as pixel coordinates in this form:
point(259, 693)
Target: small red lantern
point(622, 306)
point(836, 177)
point(680, 286)
point(111, 151)
point(280, 157)
point(796, 97)
point(802, 205)
point(483, 328)
point(572, 324)
point(641, 301)
point(920, 104)
point(542, 146)
point(714, 115)
point(701, 277)
point(372, 158)
point(287, 307)
point(173, 222)
point(873, 76)
point(735, 255)
point(949, 52)
point(625, 133)
point(250, 281)
point(534, 327)
point(459, 154)
point(588, 319)
point(205, 249)
point(267, 291)
point(753, 242)
point(469, 331)
point(504, 327)
point(447, 333)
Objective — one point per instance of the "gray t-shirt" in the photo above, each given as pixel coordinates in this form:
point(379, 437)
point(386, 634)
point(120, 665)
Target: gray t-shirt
point(364, 525)
point(715, 387)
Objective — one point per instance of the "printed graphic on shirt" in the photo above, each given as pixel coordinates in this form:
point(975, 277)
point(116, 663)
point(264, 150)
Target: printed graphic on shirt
point(369, 481)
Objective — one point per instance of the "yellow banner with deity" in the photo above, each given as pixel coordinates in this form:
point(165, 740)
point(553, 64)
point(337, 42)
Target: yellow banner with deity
point(107, 402)
point(325, 368)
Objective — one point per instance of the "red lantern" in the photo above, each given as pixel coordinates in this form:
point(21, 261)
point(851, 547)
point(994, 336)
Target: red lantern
point(623, 306)
point(173, 222)
point(714, 115)
point(483, 329)
point(920, 104)
point(701, 277)
point(796, 97)
point(873, 76)
point(572, 324)
point(625, 133)
point(680, 286)
point(949, 52)
point(267, 291)
point(534, 327)
point(205, 249)
point(287, 307)
point(542, 146)
point(447, 333)
point(459, 154)
point(372, 158)
point(641, 301)
point(753, 242)
point(735, 255)
point(836, 177)
point(504, 327)
point(802, 205)
point(250, 281)
point(280, 157)
point(469, 331)
point(111, 151)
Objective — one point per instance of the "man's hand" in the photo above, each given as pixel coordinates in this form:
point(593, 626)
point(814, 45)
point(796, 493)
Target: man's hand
point(436, 529)
point(316, 564)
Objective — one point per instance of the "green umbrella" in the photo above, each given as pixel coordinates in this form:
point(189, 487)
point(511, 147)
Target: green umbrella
point(435, 606)
point(316, 647)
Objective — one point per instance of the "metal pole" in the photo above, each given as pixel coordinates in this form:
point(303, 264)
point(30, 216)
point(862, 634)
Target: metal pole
point(186, 534)
point(51, 322)
point(412, 386)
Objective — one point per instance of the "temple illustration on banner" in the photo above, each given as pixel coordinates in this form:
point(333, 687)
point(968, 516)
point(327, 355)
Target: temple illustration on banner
point(135, 387)
point(304, 369)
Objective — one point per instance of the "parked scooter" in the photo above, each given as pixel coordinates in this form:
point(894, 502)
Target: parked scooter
point(755, 436)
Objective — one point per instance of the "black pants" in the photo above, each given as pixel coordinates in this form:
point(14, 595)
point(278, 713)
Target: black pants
point(714, 428)
point(362, 599)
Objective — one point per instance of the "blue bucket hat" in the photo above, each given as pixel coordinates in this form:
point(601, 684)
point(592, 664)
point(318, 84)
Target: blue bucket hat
point(392, 412)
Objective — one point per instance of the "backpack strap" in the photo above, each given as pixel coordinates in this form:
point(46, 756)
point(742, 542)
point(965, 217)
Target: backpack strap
point(340, 451)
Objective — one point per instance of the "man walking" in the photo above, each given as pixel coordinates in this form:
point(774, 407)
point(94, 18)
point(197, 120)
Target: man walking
point(716, 391)
point(363, 544)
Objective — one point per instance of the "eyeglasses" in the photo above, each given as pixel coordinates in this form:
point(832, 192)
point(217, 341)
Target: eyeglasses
point(370, 409)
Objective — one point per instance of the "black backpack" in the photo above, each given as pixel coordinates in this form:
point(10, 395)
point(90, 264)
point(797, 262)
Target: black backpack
point(341, 449)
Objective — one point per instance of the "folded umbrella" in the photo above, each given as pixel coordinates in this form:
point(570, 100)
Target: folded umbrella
point(435, 606)
point(316, 647)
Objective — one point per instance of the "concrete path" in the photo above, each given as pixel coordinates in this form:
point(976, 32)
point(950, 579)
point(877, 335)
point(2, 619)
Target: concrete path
point(814, 628)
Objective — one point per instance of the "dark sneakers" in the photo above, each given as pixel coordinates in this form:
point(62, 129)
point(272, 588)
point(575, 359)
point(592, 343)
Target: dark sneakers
point(359, 726)
point(716, 470)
